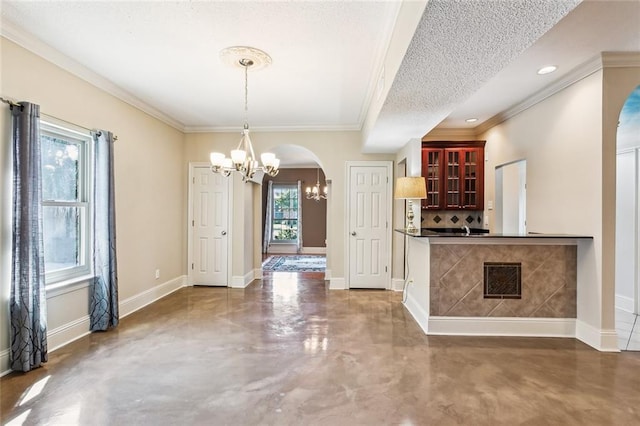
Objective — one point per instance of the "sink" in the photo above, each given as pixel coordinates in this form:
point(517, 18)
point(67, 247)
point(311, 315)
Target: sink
point(474, 231)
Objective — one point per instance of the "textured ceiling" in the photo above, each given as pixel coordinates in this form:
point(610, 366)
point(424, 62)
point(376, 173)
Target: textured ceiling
point(458, 46)
point(568, 45)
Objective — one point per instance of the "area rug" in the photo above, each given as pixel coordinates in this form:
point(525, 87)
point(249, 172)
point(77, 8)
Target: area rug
point(304, 263)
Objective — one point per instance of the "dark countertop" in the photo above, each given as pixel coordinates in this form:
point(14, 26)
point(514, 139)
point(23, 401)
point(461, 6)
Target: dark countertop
point(424, 233)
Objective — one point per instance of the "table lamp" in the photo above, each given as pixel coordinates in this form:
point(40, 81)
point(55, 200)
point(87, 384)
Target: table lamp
point(410, 188)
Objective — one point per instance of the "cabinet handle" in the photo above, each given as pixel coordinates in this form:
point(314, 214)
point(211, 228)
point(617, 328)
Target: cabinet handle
point(224, 233)
point(353, 233)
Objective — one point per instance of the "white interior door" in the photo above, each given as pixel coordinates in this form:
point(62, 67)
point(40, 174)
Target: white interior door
point(210, 225)
point(368, 210)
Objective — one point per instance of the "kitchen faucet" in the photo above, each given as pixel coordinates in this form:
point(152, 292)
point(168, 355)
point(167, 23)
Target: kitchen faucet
point(466, 229)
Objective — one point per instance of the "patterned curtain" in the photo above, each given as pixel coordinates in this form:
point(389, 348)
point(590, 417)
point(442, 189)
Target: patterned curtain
point(27, 306)
point(103, 308)
point(268, 225)
point(299, 240)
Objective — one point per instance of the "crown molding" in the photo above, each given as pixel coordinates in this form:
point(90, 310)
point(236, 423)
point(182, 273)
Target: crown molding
point(620, 59)
point(573, 76)
point(443, 133)
point(13, 32)
point(272, 129)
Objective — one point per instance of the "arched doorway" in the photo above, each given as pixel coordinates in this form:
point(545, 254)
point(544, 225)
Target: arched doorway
point(295, 226)
point(627, 286)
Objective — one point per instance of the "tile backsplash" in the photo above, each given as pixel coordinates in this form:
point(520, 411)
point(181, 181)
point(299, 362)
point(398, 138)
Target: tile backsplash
point(452, 219)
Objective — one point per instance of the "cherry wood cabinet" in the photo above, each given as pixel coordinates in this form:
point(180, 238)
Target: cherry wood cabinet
point(454, 175)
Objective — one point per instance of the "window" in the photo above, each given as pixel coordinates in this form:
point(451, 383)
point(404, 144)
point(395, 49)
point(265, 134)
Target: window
point(65, 201)
point(285, 213)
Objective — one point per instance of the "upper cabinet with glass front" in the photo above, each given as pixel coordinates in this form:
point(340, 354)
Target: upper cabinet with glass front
point(454, 175)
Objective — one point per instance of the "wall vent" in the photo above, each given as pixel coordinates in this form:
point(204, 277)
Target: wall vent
point(502, 280)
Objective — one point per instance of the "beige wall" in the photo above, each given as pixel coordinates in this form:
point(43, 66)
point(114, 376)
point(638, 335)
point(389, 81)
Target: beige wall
point(333, 149)
point(568, 141)
point(561, 140)
point(150, 179)
point(408, 162)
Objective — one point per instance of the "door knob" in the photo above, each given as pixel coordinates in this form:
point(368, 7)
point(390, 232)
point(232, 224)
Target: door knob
point(224, 232)
point(353, 233)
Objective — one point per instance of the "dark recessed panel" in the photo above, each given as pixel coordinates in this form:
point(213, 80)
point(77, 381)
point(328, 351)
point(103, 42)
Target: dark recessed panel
point(502, 280)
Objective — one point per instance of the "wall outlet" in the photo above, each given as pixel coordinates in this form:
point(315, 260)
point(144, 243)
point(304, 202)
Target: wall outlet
point(157, 273)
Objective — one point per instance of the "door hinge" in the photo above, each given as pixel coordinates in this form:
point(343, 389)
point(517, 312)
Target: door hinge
point(385, 269)
point(193, 179)
point(192, 266)
point(193, 223)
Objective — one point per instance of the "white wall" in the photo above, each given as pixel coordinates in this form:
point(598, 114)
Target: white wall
point(150, 179)
point(626, 230)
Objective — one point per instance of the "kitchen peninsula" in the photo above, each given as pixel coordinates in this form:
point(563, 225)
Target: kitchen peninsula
point(494, 284)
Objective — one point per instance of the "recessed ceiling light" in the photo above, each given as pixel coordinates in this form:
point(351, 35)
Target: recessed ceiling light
point(547, 69)
point(471, 120)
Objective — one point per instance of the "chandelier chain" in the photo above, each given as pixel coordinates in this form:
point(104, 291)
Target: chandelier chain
point(246, 95)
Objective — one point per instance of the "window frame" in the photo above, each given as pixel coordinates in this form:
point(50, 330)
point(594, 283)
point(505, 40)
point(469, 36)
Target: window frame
point(83, 138)
point(281, 186)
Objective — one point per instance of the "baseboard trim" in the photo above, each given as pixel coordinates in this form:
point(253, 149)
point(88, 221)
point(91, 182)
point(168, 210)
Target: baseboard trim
point(4, 363)
point(417, 312)
point(397, 284)
point(502, 326)
point(327, 274)
point(313, 250)
point(337, 284)
point(67, 333)
point(625, 303)
point(602, 340)
point(139, 301)
point(238, 281)
point(257, 274)
point(282, 249)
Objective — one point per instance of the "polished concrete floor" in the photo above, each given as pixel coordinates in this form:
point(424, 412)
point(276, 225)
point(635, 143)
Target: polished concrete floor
point(287, 351)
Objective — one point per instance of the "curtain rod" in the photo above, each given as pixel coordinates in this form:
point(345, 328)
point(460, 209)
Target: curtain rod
point(12, 103)
point(9, 102)
point(115, 138)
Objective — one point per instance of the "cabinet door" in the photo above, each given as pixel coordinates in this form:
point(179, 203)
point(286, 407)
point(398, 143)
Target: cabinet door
point(464, 178)
point(452, 163)
point(432, 173)
point(472, 166)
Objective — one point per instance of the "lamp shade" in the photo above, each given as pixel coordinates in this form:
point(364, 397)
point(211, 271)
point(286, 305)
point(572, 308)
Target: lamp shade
point(410, 187)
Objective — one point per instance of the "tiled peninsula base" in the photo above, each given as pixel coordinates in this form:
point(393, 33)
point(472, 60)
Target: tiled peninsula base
point(493, 286)
point(535, 281)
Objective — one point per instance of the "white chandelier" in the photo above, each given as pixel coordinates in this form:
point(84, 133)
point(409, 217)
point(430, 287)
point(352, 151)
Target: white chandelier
point(313, 193)
point(243, 158)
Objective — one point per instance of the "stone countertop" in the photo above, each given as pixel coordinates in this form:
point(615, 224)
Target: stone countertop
point(431, 234)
